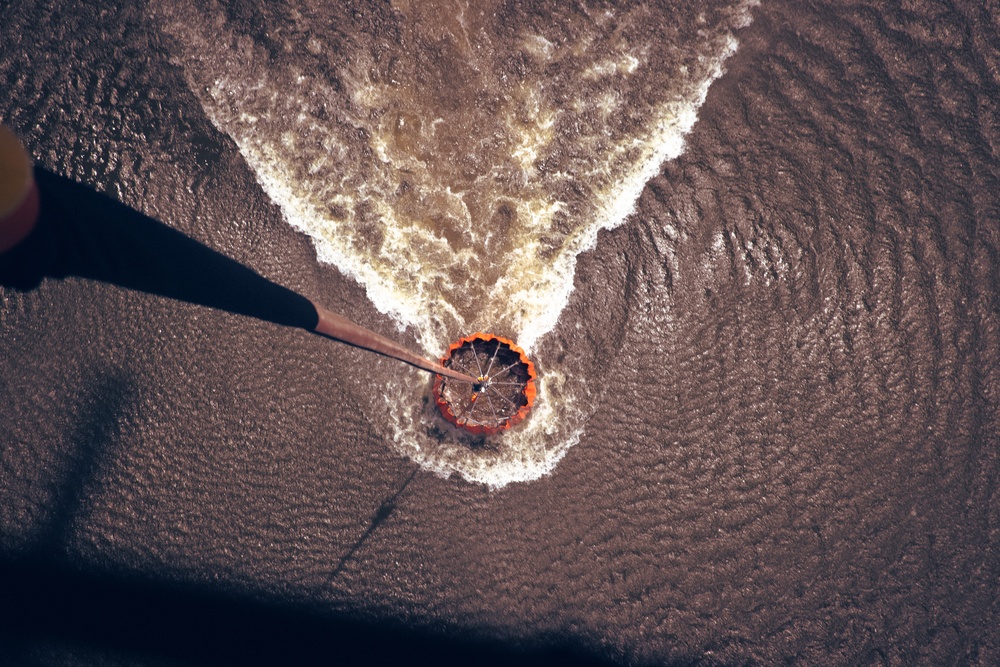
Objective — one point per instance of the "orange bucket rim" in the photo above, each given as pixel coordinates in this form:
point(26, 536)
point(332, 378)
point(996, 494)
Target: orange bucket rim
point(530, 391)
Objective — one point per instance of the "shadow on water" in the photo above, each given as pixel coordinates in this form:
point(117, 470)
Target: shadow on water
point(85, 234)
point(106, 401)
point(47, 602)
point(50, 600)
point(383, 512)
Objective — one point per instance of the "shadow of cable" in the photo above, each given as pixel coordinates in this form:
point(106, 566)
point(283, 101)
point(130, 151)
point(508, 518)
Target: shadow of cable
point(105, 400)
point(86, 234)
point(382, 513)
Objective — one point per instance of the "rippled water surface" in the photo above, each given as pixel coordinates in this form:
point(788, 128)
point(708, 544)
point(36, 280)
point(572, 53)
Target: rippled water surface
point(781, 370)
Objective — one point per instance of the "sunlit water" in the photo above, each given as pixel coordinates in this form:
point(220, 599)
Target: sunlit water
point(455, 158)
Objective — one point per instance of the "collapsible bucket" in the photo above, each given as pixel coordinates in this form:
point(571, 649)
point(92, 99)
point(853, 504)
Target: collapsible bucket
point(504, 389)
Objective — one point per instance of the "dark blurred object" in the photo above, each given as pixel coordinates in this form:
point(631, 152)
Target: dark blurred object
point(18, 194)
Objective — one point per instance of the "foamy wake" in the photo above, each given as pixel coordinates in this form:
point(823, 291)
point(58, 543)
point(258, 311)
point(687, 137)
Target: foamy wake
point(460, 193)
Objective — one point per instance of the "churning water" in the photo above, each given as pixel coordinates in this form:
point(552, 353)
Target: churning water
point(455, 158)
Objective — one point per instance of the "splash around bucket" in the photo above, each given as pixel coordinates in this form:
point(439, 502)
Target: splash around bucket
point(504, 390)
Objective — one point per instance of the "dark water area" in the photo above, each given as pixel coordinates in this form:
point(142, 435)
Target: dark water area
point(793, 342)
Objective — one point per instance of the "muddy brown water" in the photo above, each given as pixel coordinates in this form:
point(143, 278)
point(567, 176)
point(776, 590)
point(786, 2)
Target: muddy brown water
point(773, 388)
